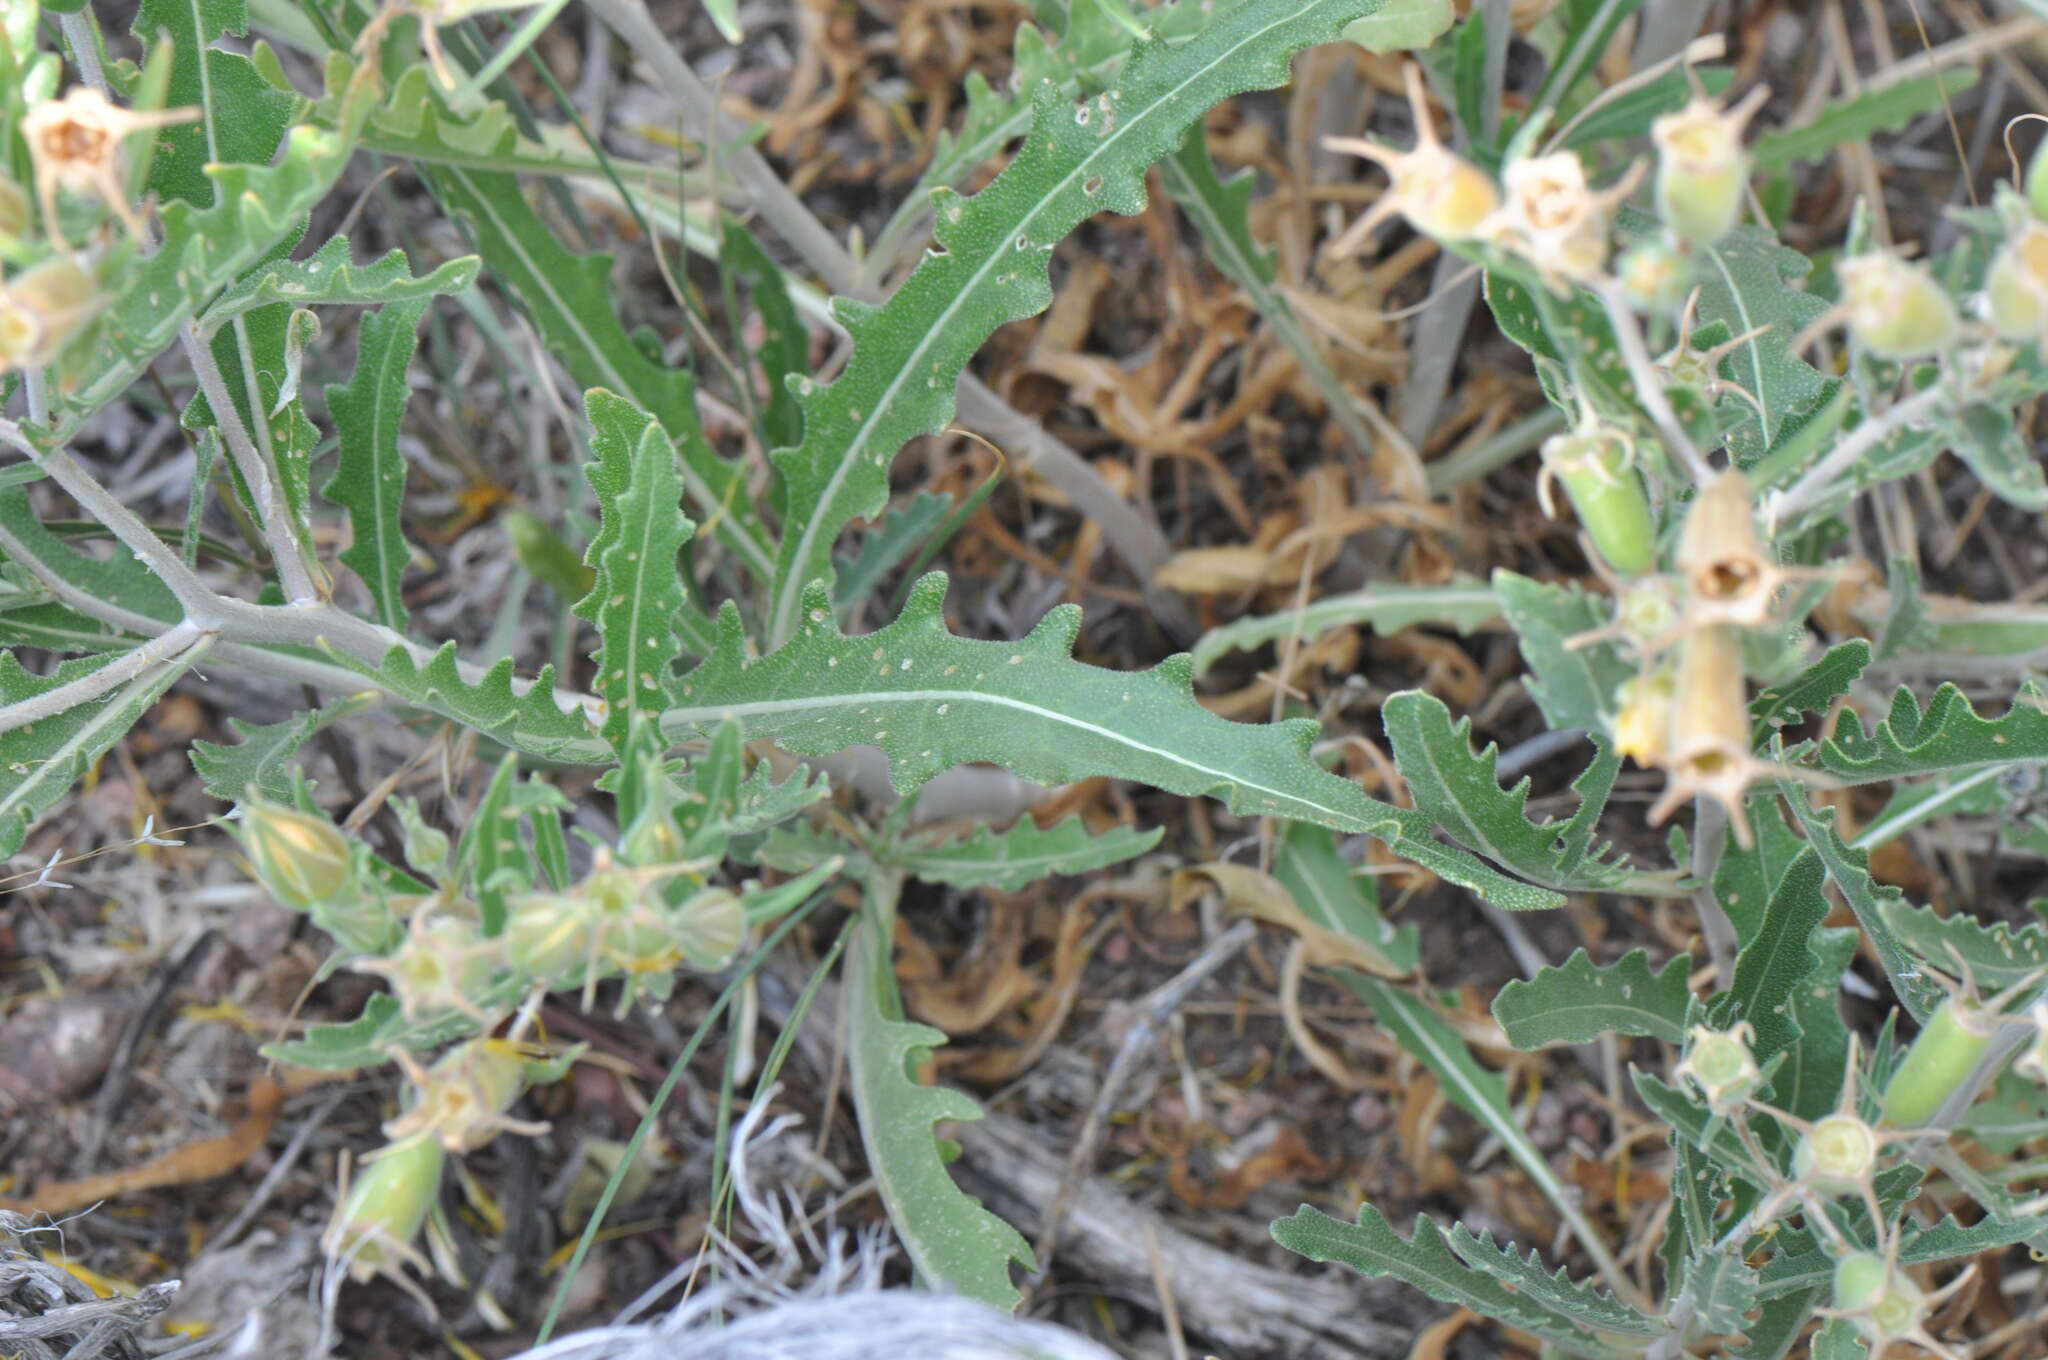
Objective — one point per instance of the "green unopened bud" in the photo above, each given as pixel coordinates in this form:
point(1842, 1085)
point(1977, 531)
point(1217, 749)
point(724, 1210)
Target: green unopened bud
point(1896, 310)
point(1702, 169)
point(426, 846)
point(41, 309)
point(1720, 1063)
point(2037, 181)
point(1885, 1304)
point(710, 928)
point(303, 859)
point(1596, 466)
point(1940, 1059)
point(2016, 286)
point(1838, 1156)
point(385, 1209)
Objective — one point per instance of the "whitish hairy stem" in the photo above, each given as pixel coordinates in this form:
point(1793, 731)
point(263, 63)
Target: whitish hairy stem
point(1135, 540)
point(85, 50)
point(279, 531)
point(180, 643)
point(1628, 335)
point(1709, 839)
point(1819, 480)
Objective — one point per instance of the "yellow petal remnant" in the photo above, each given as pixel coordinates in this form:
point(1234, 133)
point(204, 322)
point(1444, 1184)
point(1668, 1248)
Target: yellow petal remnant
point(1440, 193)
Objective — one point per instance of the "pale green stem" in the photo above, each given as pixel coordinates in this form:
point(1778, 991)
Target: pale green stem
point(1628, 338)
point(1819, 480)
point(178, 643)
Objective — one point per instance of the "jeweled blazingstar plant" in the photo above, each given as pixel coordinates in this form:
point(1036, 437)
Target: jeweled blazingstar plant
point(723, 600)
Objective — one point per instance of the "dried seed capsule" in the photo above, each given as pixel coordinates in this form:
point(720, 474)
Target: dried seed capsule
point(1441, 194)
point(1720, 1063)
point(1552, 217)
point(1702, 169)
point(461, 1100)
point(304, 860)
point(1895, 309)
point(374, 1227)
point(76, 143)
point(42, 309)
point(1729, 576)
point(1940, 1058)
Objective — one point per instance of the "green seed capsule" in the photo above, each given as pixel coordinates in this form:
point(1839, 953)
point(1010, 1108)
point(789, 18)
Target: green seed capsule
point(386, 1207)
point(1885, 1304)
point(1593, 465)
point(1838, 1157)
point(1896, 310)
point(2037, 181)
point(1938, 1061)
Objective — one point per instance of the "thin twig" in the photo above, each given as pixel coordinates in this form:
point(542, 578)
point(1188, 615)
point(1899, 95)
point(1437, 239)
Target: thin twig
point(1819, 480)
point(51, 702)
point(1147, 1015)
point(274, 514)
point(1628, 337)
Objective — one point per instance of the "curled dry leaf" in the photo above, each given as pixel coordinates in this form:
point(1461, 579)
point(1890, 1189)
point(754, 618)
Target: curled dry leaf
point(1247, 892)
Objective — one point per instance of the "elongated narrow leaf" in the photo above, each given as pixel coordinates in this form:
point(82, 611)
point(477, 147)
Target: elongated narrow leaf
point(990, 265)
point(638, 589)
point(1995, 954)
point(1008, 860)
point(1458, 790)
point(1337, 897)
point(932, 700)
point(40, 761)
point(1574, 686)
point(1723, 1289)
point(242, 114)
point(1948, 734)
point(1809, 1084)
point(1579, 1001)
point(330, 275)
point(1465, 606)
point(1813, 690)
point(954, 1243)
point(1532, 1279)
point(1479, 1092)
point(1947, 1240)
point(569, 298)
point(1423, 1260)
point(369, 479)
point(1853, 119)
point(1779, 959)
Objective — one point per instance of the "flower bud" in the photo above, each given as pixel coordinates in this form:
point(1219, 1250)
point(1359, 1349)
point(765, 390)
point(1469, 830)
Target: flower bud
point(426, 846)
point(1702, 169)
point(303, 859)
point(1642, 725)
point(1941, 1057)
point(1895, 309)
point(1838, 1155)
point(41, 309)
point(2016, 286)
point(550, 937)
point(1595, 462)
point(1720, 1063)
point(1441, 194)
point(386, 1207)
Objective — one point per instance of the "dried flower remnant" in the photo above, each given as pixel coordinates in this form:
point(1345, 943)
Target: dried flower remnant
point(443, 964)
point(1440, 193)
point(1699, 370)
point(1642, 724)
point(77, 143)
point(1554, 219)
point(1729, 575)
point(1702, 169)
point(461, 1101)
point(42, 309)
point(1707, 753)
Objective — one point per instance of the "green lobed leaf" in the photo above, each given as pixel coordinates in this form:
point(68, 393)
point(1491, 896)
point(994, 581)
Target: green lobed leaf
point(1337, 896)
point(638, 588)
point(263, 756)
point(1402, 26)
point(369, 476)
point(1809, 1083)
point(931, 700)
point(522, 715)
point(1870, 900)
point(1723, 1289)
point(1746, 877)
point(1008, 860)
point(1463, 605)
point(953, 1242)
point(1857, 117)
point(1946, 735)
point(1748, 280)
point(1423, 1260)
point(1574, 687)
point(989, 267)
point(330, 275)
point(1947, 1240)
point(569, 298)
point(1813, 690)
point(244, 114)
point(1531, 1278)
point(900, 534)
point(1997, 955)
point(1579, 1001)
point(1458, 791)
point(1690, 1120)
point(1989, 439)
